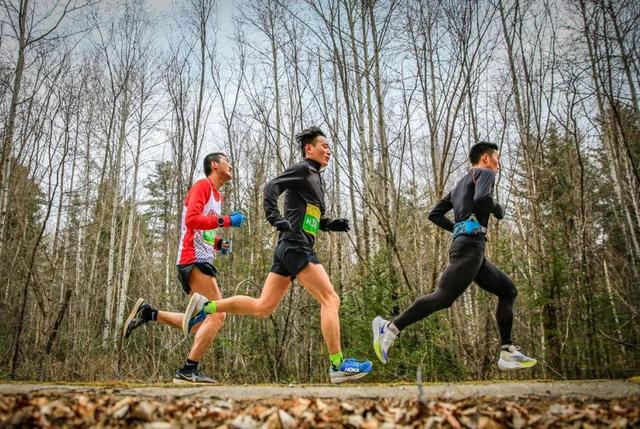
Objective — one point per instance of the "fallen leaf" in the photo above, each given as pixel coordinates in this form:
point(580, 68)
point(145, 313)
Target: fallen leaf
point(243, 422)
point(300, 406)
point(355, 420)
point(286, 420)
point(485, 422)
point(370, 423)
point(347, 407)
point(143, 411)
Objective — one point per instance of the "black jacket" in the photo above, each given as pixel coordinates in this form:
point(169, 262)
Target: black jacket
point(302, 185)
point(472, 195)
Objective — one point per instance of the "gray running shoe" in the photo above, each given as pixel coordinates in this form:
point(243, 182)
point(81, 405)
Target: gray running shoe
point(191, 377)
point(138, 316)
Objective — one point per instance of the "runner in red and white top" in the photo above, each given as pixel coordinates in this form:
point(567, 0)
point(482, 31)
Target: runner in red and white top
point(200, 216)
point(201, 220)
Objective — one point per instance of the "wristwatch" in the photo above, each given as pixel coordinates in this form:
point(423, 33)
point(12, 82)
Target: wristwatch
point(220, 221)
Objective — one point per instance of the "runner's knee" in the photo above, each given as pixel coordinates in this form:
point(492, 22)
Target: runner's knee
point(439, 300)
point(221, 316)
point(330, 300)
point(264, 310)
point(510, 291)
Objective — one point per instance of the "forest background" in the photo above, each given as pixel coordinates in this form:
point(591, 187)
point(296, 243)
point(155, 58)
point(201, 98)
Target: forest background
point(108, 108)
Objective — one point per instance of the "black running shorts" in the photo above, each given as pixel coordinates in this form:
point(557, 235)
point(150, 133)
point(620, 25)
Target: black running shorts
point(184, 270)
point(292, 257)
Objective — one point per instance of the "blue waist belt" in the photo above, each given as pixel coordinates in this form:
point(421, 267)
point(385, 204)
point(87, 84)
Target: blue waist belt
point(470, 226)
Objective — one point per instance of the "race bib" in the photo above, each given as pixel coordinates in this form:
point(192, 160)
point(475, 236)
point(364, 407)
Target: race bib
point(209, 236)
point(311, 222)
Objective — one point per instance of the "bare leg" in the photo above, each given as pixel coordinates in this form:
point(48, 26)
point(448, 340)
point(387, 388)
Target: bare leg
point(171, 319)
point(273, 291)
point(207, 286)
point(316, 281)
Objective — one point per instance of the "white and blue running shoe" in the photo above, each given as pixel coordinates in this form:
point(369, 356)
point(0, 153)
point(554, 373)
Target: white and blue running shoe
point(512, 358)
point(194, 312)
point(350, 369)
point(382, 338)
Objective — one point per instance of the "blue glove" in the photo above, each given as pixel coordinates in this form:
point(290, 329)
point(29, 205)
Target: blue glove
point(237, 219)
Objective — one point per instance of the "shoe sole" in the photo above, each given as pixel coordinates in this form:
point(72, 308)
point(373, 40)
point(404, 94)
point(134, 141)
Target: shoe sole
point(192, 383)
point(506, 365)
point(132, 314)
point(348, 377)
point(188, 312)
point(375, 327)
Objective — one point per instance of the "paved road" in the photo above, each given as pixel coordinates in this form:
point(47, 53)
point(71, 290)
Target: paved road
point(605, 389)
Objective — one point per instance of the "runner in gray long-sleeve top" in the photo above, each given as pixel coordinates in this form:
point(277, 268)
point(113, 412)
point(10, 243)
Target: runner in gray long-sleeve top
point(472, 204)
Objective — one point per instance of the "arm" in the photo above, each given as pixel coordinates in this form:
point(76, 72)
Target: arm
point(482, 197)
point(437, 214)
point(290, 179)
point(197, 198)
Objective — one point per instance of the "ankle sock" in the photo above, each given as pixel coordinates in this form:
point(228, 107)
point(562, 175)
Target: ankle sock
point(190, 365)
point(393, 328)
point(210, 307)
point(149, 314)
point(336, 360)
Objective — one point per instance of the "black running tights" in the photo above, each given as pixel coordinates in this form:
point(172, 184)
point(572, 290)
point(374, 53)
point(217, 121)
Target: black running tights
point(466, 264)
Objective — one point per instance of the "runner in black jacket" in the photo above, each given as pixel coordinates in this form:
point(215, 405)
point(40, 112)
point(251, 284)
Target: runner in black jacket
point(294, 257)
point(472, 205)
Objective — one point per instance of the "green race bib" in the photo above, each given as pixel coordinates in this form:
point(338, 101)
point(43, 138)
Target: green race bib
point(311, 222)
point(209, 236)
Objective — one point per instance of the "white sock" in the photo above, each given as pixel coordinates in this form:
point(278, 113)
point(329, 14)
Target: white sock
point(393, 328)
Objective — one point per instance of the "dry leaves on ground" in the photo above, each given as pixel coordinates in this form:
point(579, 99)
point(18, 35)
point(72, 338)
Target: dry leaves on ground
point(106, 409)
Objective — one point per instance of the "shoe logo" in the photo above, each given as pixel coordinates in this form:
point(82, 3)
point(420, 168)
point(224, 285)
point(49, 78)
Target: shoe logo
point(352, 369)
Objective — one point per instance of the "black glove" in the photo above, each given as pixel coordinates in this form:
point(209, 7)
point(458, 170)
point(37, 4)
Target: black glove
point(338, 225)
point(282, 225)
point(498, 211)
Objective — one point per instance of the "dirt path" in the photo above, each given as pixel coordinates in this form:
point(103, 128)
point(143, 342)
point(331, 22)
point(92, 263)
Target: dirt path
point(603, 389)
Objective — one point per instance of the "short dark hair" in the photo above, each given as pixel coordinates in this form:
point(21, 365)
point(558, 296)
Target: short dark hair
point(307, 136)
point(212, 157)
point(479, 149)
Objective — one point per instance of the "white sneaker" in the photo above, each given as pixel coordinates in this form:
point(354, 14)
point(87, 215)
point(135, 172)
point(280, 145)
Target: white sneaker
point(382, 338)
point(511, 358)
point(193, 313)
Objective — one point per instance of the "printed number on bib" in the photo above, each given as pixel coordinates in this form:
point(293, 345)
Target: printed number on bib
point(311, 222)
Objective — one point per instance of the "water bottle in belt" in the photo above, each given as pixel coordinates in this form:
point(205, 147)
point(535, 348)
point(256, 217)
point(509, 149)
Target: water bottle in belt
point(469, 226)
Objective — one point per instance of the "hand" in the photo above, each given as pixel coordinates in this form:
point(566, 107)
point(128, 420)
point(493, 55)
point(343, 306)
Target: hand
point(225, 247)
point(498, 211)
point(237, 219)
point(338, 225)
point(282, 225)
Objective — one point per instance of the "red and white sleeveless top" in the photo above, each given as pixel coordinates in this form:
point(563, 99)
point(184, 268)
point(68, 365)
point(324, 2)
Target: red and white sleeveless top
point(202, 207)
